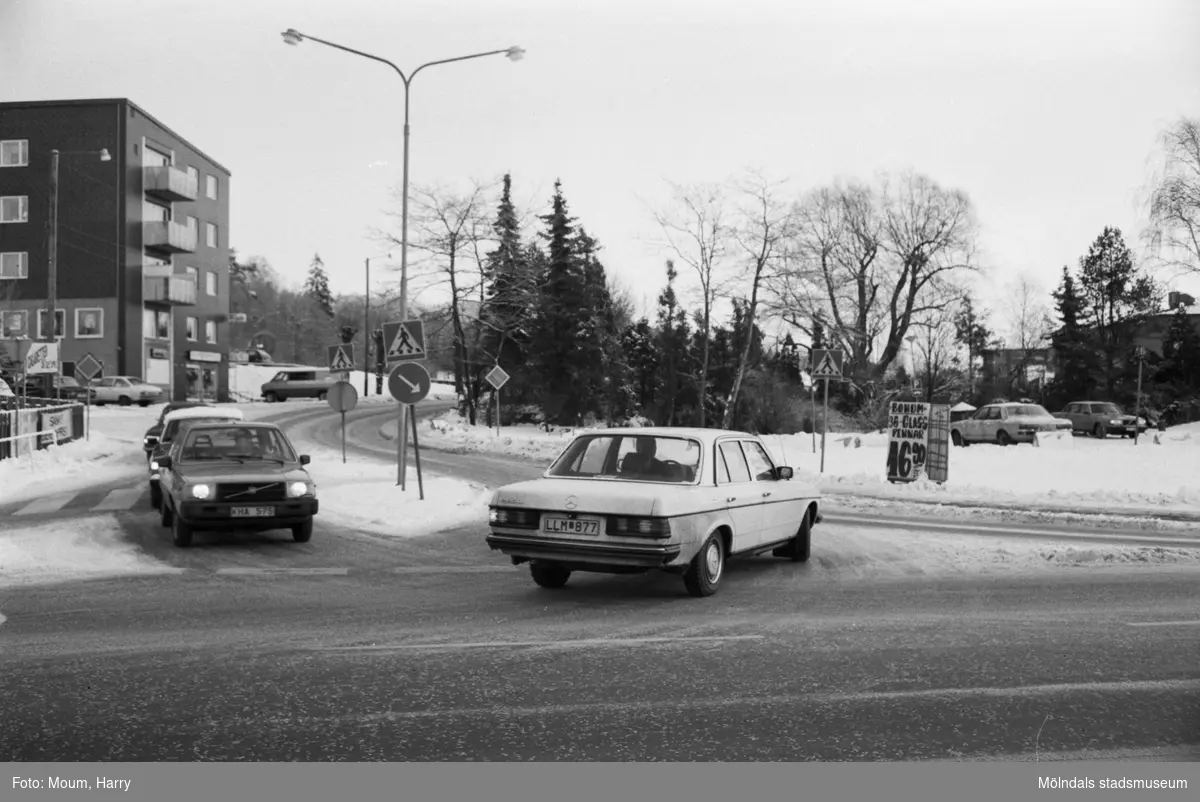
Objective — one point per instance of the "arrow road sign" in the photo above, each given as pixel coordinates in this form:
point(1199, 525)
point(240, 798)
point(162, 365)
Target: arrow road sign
point(341, 357)
point(405, 340)
point(827, 363)
point(497, 377)
point(409, 382)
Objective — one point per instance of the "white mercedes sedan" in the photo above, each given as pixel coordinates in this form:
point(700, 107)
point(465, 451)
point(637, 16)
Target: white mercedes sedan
point(679, 500)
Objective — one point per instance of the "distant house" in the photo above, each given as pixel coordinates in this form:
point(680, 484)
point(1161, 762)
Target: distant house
point(1018, 368)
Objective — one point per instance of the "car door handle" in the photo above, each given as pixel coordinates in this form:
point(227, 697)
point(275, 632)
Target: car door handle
point(766, 494)
point(731, 498)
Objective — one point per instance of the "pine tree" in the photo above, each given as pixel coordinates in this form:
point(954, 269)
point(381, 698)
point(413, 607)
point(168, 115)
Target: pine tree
point(1070, 341)
point(642, 355)
point(508, 310)
point(601, 363)
point(316, 287)
point(673, 338)
point(971, 333)
point(1181, 351)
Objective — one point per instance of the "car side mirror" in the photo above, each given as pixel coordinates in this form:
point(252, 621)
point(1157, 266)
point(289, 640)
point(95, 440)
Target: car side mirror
point(783, 472)
point(163, 462)
point(305, 459)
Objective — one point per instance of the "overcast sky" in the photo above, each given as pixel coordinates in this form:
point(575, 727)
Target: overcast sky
point(1045, 113)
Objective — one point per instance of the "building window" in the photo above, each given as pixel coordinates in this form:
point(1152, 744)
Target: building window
point(193, 226)
point(194, 174)
point(162, 324)
point(15, 153)
point(210, 186)
point(192, 327)
point(210, 235)
point(60, 324)
point(14, 209)
point(14, 324)
point(155, 158)
point(148, 323)
point(154, 213)
point(89, 323)
point(210, 331)
point(210, 282)
point(14, 264)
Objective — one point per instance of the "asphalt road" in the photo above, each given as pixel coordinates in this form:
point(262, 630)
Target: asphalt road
point(364, 647)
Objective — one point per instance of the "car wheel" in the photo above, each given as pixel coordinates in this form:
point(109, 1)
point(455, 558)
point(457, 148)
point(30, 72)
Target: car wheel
point(302, 533)
point(549, 575)
point(1003, 438)
point(271, 398)
point(143, 403)
point(703, 576)
point(799, 548)
point(1099, 431)
point(125, 401)
point(164, 509)
point(155, 497)
point(956, 438)
point(182, 532)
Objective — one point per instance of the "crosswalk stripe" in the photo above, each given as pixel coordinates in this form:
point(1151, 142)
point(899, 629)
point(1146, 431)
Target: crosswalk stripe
point(120, 499)
point(45, 505)
point(282, 571)
point(450, 569)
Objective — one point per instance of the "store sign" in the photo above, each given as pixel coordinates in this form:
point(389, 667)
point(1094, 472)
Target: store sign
point(159, 353)
point(918, 441)
point(204, 356)
point(56, 427)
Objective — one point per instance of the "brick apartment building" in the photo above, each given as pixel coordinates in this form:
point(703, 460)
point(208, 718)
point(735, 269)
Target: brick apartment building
point(142, 244)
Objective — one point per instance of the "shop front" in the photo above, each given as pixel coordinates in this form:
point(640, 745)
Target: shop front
point(202, 369)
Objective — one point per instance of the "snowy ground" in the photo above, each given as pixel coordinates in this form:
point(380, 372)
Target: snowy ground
point(1160, 474)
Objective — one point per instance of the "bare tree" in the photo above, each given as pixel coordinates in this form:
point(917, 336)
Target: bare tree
point(1028, 313)
point(1174, 199)
point(935, 352)
point(762, 234)
point(695, 231)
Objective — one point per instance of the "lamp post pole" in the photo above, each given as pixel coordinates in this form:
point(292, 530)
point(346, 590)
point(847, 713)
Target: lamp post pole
point(293, 37)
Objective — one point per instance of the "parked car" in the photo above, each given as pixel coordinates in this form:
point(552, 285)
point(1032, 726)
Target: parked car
point(69, 389)
point(150, 438)
point(1101, 418)
point(298, 383)
point(1006, 423)
point(174, 423)
point(245, 475)
point(125, 390)
point(679, 500)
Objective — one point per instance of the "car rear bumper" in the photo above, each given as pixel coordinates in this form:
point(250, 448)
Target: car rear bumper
point(219, 514)
point(534, 547)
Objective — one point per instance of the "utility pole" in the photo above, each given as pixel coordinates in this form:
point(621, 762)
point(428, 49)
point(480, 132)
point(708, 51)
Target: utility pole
point(367, 329)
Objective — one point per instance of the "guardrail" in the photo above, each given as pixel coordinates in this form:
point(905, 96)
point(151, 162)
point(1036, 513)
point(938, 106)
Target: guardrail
point(36, 424)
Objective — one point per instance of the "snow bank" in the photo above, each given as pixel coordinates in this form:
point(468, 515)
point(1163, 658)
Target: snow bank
point(82, 548)
point(841, 552)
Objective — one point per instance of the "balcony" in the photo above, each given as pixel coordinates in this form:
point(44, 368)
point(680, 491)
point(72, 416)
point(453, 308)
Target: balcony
point(169, 184)
point(169, 290)
point(169, 237)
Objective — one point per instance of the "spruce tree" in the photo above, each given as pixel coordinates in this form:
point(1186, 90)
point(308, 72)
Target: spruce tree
point(316, 287)
point(508, 294)
point(1181, 351)
point(1070, 342)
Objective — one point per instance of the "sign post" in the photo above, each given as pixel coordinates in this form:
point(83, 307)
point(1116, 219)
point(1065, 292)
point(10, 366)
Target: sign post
point(497, 377)
point(342, 397)
point(827, 364)
point(1137, 412)
point(417, 455)
point(403, 341)
point(409, 382)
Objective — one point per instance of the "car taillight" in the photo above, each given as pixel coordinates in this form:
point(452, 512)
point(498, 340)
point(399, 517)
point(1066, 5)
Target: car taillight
point(521, 519)
point(623, 526)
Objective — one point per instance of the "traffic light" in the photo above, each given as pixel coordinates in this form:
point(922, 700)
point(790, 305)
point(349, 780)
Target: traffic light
point(380, 351)
point(348, 333)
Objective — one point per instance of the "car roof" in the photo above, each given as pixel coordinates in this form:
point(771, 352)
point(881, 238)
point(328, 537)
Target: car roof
point(187, 413)
point(706, 435)
point(240, 424)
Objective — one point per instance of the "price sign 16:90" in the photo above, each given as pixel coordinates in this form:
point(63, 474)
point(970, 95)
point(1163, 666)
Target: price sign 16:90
point(904, 457)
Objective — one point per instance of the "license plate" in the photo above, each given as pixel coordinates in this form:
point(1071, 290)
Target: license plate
point(568, 526)
point(252, 512)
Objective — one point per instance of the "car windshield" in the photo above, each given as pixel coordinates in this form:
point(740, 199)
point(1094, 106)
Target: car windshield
point(1029, 411)
point(173, 427)
point(644, 458)
point(1108, 409)
point(237, 443)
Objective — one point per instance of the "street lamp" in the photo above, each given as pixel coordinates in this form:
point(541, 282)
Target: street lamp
point(52, 262)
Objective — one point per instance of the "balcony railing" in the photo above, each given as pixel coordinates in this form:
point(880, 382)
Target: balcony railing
point(171, 290)
point(169, 184)
point(169, 237)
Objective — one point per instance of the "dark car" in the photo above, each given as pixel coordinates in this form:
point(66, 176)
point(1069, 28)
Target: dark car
point(1101, 418)
point(44, 386)
point(150, 439)
point(235, 476)
point(174, 424)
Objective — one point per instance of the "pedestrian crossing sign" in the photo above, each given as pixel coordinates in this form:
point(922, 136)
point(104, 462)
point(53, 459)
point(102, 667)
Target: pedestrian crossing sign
point(405, 340)
point(341, 357)
point(827, 363)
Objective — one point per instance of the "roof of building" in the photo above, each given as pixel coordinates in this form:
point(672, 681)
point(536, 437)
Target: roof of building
point(17, 104)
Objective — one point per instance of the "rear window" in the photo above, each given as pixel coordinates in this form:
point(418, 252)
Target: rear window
point(1028, 410)
point(644, 458)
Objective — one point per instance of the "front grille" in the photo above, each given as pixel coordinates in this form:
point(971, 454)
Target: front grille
point(267, 491)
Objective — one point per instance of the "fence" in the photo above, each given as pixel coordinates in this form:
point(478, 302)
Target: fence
point(37, 424)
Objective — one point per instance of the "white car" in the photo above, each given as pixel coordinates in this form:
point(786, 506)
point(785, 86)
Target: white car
point(125, 390)
point(678, 500)
point(175, 423)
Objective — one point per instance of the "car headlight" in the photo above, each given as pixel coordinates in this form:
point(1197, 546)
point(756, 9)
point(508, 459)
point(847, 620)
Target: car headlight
point(154, 467)
point(1114, 423)
point(296, 489)
point(201, 491)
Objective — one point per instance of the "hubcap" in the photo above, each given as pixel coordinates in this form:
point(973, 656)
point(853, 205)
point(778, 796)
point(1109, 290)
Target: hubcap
point(712, 561)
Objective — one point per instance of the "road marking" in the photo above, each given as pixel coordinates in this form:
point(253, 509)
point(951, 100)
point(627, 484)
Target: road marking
point(559, 644)
point(836, 518)
point(450, 569)
point(774, 702)
point(120, 499)
point(46, 505)
point(1162, 623)
point(282, 571)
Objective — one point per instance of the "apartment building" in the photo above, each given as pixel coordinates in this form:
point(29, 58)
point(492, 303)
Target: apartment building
point(141, 284)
